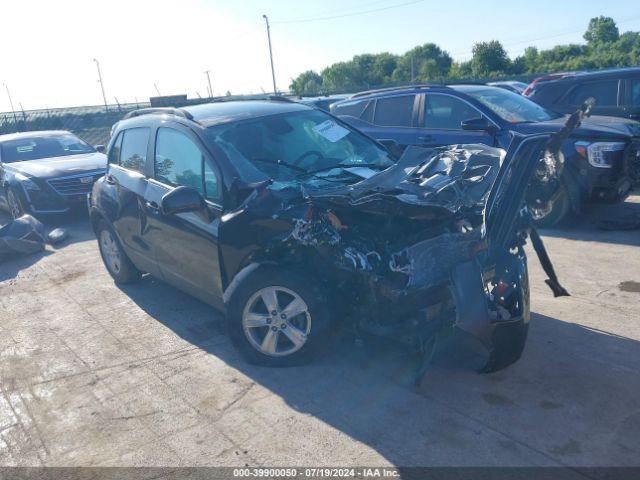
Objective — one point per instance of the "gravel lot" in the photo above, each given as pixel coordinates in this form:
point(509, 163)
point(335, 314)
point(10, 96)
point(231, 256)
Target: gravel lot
point(92, 374)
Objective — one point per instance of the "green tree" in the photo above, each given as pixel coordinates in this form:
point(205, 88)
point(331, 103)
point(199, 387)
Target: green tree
point(489, 58)
point(426, 62)
point(601, 30)
point(308, 82)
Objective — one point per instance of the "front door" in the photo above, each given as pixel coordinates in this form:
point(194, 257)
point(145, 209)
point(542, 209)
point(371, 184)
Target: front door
point(186, 244)
point(441, 118)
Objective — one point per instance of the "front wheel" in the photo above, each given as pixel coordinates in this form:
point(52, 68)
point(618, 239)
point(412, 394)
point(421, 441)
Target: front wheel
point(277, 319)
point(556, 213)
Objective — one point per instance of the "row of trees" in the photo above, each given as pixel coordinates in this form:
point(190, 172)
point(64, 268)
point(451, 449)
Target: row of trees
point(605, 47)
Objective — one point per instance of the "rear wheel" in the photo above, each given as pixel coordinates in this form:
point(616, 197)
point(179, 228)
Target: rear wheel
point(118, 264)
point(276, 318)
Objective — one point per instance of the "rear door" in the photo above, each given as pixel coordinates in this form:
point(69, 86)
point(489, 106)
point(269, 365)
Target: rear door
point(440, 120)
point(186, 244)
point(126, 177)
point(391, 119)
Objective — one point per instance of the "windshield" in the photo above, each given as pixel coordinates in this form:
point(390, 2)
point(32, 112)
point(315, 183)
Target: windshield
point(34, 148)
point(300, 146)
point(510, 106)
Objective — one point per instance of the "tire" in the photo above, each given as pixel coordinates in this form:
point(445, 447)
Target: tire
point(16, 209)
point(558, 213)
point(277, 339)
point(508, 344)
point(121, 269)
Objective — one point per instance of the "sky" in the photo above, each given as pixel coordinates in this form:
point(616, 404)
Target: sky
point(47, 47)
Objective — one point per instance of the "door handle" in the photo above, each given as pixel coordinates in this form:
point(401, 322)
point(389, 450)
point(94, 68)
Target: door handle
point(152, 206)
point(110, 179)
point(425, 138)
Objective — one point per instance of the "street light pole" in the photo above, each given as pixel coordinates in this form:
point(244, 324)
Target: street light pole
point(273, 73)
point(209, 80)
point(104, 97)
point(13, 110)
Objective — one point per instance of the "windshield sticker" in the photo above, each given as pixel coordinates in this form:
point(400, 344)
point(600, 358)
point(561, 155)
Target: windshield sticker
point(331, 131)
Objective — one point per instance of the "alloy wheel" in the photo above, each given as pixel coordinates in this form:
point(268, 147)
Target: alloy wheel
point(276, 321)
point(110, 251)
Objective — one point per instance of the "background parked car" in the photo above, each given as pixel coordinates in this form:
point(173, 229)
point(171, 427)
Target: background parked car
point(616, 92)
point(46, 172)
point(323, 102)
point(601, 157)
point(512, 86)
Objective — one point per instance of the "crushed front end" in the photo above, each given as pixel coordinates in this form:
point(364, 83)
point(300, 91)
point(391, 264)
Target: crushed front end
point(432, 243)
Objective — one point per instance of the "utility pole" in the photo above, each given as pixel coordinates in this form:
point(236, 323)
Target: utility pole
point(209, 80)
point(158, 91)
point(273, 73)
point(13, 110)
point(104, 97)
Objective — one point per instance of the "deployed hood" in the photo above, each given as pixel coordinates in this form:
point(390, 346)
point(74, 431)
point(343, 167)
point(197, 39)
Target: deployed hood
point(60, 166)
point(447, 180)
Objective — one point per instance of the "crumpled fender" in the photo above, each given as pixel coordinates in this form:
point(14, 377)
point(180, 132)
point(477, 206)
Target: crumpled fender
point(472, 311)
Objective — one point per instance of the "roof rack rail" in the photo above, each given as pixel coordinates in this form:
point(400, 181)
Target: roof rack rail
point(246, 98)
point(159, 110)
point(403, 87)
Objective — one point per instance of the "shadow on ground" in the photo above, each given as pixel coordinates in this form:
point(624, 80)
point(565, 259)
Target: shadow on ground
point(364, 392)
point(611, 223)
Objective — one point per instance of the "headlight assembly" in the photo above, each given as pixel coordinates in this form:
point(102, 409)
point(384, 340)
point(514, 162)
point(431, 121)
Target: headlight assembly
point(26, 182)
point(601, 154)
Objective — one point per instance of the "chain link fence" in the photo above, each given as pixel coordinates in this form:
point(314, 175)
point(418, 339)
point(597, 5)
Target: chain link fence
point(91, 123)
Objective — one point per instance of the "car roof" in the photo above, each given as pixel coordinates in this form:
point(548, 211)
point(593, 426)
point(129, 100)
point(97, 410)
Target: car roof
point(32, 134)
point(216, 113)
point(466, 88)
point(595, 74)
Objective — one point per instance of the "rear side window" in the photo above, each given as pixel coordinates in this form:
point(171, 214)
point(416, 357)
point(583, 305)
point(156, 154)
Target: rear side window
point(362, 109)
point(114, 153)
point(605, 93)
point(447, 113)
point(133, 153)
point(394, 111)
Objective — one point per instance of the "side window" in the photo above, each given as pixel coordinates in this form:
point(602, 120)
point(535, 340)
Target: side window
point(635, 92)
point(133, 153)
point(114, 153)
point(353, 109)
point(211, 190)
point(179, 161)
point(446, 112)
point(394, 111)
point(605, 93)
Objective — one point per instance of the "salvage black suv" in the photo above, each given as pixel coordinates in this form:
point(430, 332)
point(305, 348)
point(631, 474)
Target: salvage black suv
point(292, 222)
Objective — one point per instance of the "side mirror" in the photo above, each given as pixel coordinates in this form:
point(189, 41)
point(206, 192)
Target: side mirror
point(182, 200)
point(478, 125)
point(100, 148)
